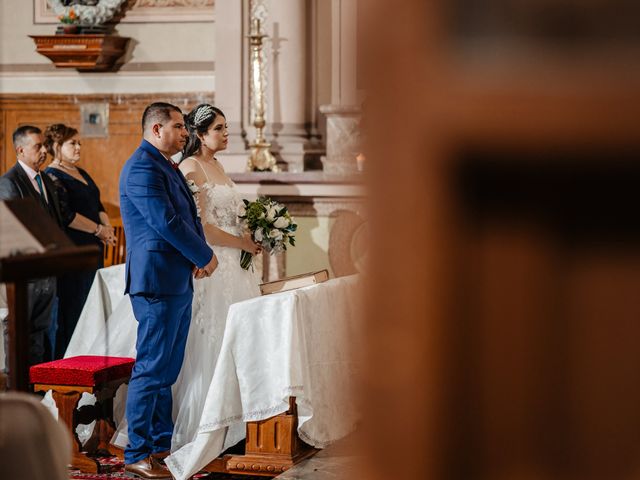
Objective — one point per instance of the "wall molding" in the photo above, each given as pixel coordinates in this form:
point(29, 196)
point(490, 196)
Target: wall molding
point(145, 11)
point(36, 100)
point(128, 81)
point(155, 67)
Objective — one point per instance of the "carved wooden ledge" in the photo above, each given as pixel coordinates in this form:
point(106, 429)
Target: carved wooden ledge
point(90, 52)
point(272, 447)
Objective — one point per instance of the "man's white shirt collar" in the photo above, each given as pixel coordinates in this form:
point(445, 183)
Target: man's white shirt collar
point(29, 171)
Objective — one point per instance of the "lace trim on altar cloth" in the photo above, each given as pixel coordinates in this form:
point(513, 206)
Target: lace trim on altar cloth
point(323, 443)
point(177, 466)
point(261, 414)
point(282, 406)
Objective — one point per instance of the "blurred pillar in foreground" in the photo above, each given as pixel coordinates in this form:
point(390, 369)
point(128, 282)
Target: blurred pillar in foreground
point(503, 321)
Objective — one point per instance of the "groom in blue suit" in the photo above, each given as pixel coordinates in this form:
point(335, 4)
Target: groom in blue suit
point(166, 248)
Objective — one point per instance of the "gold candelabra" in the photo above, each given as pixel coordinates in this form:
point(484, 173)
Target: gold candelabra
point(261, 158)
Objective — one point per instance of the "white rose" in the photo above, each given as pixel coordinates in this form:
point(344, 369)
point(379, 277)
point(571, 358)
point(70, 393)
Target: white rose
point(271, 214)
point(281, 222)
point(275, 234)
point(258, 235)
point(261, 215)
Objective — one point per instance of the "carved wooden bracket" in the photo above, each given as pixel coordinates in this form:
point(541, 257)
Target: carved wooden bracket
point(271, 447)
point(90, 52)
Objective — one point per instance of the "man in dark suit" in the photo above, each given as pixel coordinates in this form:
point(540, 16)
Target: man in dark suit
point(25, 180)
point(165, 249)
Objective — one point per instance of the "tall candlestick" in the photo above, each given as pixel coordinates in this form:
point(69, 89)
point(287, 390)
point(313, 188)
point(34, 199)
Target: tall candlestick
point(261, 158)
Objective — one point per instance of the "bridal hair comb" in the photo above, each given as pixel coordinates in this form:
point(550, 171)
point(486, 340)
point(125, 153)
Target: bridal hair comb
point(202, 113)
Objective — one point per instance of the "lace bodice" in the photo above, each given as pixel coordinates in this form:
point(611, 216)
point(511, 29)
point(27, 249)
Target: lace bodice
point(218, 205)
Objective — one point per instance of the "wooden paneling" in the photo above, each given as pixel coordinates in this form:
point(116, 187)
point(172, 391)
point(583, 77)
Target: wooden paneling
point(101, 157)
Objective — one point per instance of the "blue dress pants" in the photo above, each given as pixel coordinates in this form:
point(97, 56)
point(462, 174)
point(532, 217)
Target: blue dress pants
point(163, 325)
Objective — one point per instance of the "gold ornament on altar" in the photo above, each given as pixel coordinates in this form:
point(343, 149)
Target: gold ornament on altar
point(261, 158)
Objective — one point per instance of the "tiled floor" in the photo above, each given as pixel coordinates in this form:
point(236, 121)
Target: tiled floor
point(335, 462)
point(339, 461)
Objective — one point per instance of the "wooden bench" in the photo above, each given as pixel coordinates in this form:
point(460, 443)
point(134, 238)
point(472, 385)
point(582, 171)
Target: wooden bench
point(68, 379)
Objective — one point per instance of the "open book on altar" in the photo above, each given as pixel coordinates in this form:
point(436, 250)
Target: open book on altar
point(297, 281)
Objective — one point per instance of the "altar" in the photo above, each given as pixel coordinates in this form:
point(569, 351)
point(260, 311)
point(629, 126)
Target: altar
point(298, 344)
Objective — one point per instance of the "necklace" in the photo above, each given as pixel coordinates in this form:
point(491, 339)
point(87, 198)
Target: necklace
point(71, 168)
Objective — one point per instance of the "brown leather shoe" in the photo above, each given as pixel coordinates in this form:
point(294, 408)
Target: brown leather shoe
point(146, 468)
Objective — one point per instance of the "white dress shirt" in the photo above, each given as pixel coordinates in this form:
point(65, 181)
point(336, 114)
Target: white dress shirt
point(31, 173)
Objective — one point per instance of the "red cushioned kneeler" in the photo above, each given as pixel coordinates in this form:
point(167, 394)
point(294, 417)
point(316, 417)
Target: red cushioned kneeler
point(68, 379)
point(85, 370)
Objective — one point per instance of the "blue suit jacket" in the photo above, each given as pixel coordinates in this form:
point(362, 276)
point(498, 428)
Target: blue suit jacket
point(164, 234)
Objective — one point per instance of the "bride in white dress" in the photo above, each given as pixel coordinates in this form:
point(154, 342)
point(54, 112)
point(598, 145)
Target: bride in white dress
point(218, 203)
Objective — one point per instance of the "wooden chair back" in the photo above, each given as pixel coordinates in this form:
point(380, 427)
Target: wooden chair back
point(115, 254)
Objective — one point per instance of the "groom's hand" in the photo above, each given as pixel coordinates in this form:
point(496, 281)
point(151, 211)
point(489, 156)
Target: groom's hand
point(211, 266)
point(207, 270)
point(197, 272)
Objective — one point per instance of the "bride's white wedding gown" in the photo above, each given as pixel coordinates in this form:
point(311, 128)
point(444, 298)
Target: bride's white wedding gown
point(228, 284)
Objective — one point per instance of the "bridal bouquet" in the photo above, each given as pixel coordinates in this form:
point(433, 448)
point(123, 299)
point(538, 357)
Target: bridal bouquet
point(270, 225)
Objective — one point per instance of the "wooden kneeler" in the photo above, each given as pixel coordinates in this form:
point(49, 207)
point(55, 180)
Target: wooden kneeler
point(272, 446)
point(68, 379)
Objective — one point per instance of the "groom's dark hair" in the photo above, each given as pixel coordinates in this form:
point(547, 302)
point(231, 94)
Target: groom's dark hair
point(158, 112)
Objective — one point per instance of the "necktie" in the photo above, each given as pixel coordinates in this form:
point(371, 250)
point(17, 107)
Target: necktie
point(175, 166)
point(39, 182)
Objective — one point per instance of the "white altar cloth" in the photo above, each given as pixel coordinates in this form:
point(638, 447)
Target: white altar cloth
point(106, 324)
point(298, 343)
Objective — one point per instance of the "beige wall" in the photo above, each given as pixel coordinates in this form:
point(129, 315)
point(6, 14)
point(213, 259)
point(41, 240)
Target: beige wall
point(167, 42)
point(155, 42)
point(16, 22)
point(157, 52)
point(311, 252)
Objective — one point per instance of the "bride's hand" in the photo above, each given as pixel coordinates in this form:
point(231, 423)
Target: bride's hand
point(248, 245)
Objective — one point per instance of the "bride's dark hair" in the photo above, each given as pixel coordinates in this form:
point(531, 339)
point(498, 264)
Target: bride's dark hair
point(198, 121)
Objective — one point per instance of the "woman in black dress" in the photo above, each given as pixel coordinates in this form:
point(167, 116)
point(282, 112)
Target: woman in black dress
point(85, 220)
